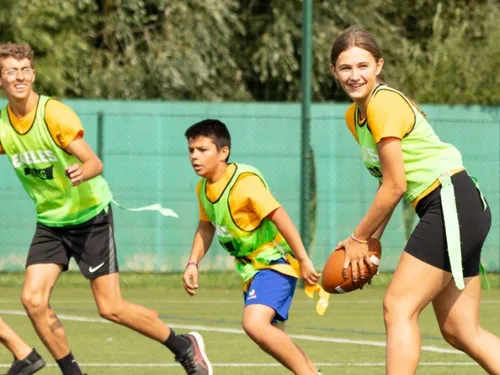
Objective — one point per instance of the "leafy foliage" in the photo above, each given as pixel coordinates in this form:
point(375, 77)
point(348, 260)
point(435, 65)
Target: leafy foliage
point(437, 52)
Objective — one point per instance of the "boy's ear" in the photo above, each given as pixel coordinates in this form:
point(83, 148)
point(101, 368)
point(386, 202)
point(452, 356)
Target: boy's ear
point(224, 153)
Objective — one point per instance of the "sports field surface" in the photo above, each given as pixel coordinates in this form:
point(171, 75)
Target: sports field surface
point(348, 339)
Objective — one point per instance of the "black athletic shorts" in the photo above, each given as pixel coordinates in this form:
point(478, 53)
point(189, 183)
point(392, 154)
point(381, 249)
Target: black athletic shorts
point(428, 240)
point(92, 244)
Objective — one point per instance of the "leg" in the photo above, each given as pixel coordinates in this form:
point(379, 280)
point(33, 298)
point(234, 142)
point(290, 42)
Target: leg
point(189, 349)
point(457, 312)
point(269, 298)
point(312, 366)
point(424, 268)
point(47, 258)
point(13, 342)
point(38, 284)
point(257, 325)
point(93, 245)
point(96, 257)
point(113, 307)
point(26, 360)
point(403, 302)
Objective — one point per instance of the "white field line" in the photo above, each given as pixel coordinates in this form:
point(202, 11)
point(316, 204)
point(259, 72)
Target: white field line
point(193, 301)
point(381, 344)
point(220, 302)
point(321, 364)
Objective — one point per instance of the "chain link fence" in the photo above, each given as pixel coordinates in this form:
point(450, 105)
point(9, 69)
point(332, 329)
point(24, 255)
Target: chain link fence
point(146, 161)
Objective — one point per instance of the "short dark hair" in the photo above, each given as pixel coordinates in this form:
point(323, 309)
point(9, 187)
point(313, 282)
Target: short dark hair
point(214, 129)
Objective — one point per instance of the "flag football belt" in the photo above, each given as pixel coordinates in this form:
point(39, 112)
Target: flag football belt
point(290, 268)
point(452, 230)
point(153, 207)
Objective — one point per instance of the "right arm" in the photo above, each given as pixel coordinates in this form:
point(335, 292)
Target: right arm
point(390, 116)
point(380, 231)
point(201, 243)
point(202, 240)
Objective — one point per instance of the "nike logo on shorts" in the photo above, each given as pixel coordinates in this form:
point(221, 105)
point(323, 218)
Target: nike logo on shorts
point(93, 269)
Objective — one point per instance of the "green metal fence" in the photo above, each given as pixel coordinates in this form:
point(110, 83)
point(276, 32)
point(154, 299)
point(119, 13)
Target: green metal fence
point(146, 161)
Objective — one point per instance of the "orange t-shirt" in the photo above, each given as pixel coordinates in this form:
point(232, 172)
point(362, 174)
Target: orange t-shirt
point(388, 115)
point(249, 200)
point(64, 125)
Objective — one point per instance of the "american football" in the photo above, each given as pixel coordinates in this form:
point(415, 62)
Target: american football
point(332, 279)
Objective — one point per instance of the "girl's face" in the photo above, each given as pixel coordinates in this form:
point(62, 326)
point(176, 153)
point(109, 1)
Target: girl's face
point(356, 70)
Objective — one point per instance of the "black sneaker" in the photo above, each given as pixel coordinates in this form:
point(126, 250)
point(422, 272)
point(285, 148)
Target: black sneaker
point(29, 365)
point(195, 360)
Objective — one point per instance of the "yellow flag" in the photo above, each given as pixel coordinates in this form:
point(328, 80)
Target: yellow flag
point(323, 300)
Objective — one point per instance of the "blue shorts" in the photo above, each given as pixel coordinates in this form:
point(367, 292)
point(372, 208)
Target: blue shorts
point(273, 289)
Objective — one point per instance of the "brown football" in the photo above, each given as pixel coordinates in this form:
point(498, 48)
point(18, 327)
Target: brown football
point(332, 279)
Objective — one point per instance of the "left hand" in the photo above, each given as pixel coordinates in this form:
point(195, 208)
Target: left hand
point(75, 174)
point(308, 272)
point(356, 254)
point(190, 279)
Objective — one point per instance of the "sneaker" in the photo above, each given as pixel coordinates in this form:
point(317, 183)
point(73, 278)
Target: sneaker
point(195, 360)
point(31, 364)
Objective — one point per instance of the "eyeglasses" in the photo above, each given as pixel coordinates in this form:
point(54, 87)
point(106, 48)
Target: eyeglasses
point(12, 73)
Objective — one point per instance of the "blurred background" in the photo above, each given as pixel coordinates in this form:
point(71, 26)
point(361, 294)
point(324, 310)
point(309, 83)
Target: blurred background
point(139, 72)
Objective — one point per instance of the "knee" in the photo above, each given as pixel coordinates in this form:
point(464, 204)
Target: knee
point(253, 328)
point(390, 309)
point(454, 335)
point(452, 338)
point(396, 310)
point(111, 311)
point(34, 302)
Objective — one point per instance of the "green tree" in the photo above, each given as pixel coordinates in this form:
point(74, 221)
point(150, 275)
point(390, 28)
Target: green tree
point(58, 32)
point(130, 49)
point(166, 49)
point(436, 52)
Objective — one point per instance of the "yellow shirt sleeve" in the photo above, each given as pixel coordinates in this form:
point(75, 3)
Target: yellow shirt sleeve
point(64, 125)
point(351, 121)
point(203, 214)
point(389, 115)
point(251, 197)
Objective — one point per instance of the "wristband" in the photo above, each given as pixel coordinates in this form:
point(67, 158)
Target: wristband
point(191, 264)
point(358, 240)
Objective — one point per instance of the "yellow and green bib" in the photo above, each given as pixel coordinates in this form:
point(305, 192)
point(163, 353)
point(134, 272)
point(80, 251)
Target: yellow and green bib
point(40, 164)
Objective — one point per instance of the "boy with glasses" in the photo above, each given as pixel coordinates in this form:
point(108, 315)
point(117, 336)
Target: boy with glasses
point(43, 139)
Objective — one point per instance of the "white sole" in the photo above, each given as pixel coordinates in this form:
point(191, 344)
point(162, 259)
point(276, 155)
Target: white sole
point(201, 345)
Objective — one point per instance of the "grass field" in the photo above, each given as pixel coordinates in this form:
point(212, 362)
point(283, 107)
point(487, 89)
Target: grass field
point(348, 339)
